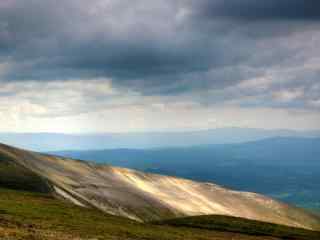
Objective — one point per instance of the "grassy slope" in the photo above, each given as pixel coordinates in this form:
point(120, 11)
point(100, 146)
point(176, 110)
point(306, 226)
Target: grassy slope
point(35, 216)
point(240, 225)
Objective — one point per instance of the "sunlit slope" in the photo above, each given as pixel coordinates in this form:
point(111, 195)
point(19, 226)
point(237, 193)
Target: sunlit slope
point(146, 197)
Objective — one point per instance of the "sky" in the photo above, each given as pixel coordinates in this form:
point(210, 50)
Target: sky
point(82, 66)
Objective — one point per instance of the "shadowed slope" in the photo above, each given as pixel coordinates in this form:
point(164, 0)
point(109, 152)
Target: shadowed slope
point(146, 197)
point(240, 225)
point(16, 176)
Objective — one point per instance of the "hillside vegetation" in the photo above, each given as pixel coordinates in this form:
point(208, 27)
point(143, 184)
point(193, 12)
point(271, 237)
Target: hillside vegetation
point(240, 225)
point(35, 216)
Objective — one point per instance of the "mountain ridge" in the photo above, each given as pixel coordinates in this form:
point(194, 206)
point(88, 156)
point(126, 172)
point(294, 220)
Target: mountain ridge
point(148, 197)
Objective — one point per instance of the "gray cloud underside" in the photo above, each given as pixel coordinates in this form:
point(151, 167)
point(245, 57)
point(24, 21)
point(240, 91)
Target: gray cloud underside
point(168, 47)
point(262, 10)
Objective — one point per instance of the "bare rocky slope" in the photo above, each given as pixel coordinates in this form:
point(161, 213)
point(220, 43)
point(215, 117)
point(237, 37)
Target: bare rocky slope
point(140, 196)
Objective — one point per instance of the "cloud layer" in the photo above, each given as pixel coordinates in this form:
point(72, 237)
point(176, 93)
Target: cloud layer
point(263, 11)
point(244, 53)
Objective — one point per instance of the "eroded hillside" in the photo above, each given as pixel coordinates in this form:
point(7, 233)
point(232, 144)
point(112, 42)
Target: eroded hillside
point(146, 197)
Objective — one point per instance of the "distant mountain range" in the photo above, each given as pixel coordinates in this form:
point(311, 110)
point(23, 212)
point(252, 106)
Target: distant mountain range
point(279, 151)
point(57, 142)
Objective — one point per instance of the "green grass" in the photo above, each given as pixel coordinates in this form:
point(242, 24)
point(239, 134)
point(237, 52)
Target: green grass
point(240, 225)
point(35, 216)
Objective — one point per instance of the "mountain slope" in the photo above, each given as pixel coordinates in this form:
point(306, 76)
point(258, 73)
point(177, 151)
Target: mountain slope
point(285, 168)
point(146, 197)
point(29, 215)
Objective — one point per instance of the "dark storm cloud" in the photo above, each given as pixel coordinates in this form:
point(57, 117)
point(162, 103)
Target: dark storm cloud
point(262, 10)
point(142, 48)
point(152, 47)
point(47, 41)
